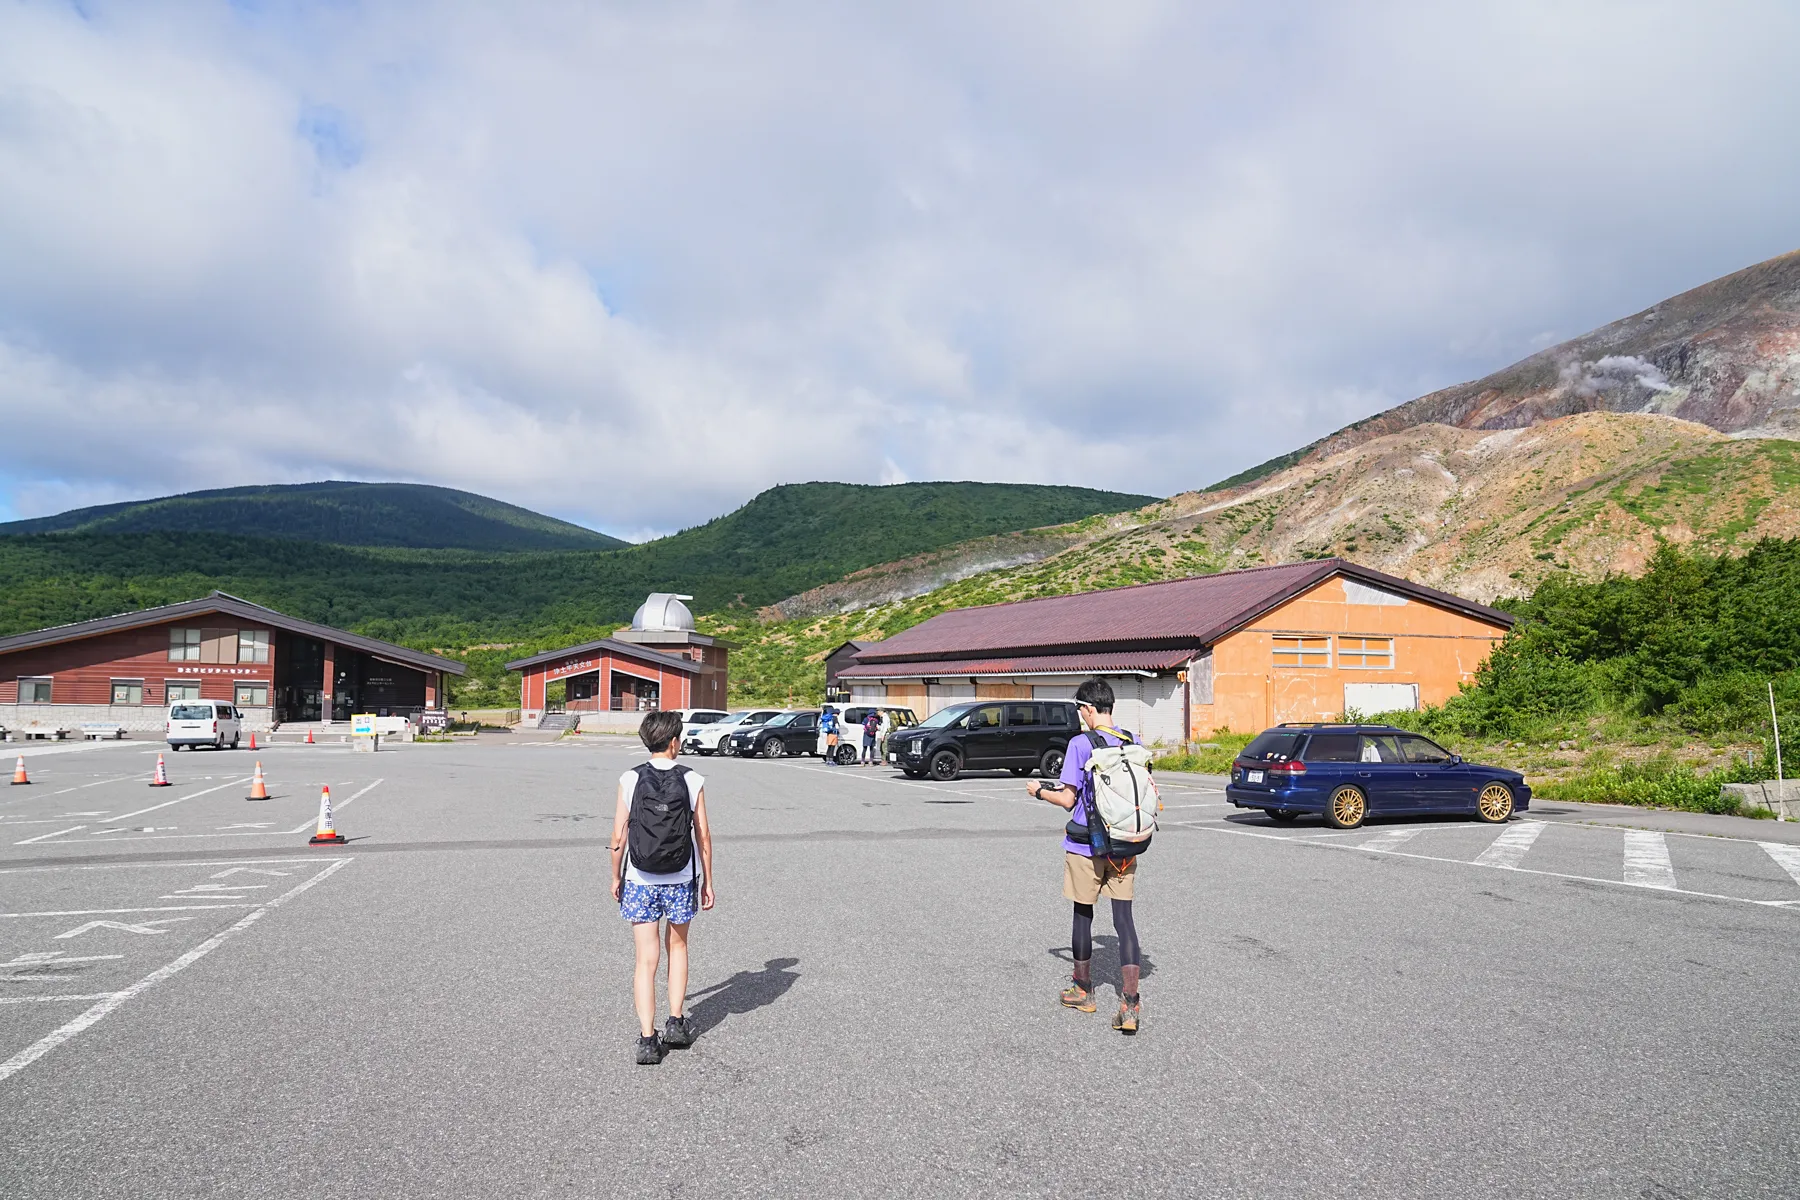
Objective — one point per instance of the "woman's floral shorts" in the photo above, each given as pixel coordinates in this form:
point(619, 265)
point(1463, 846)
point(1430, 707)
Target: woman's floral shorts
point(640, 903)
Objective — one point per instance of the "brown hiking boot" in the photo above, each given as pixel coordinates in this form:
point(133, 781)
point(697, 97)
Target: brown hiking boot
point(1126, 1020)
point(1078, 996)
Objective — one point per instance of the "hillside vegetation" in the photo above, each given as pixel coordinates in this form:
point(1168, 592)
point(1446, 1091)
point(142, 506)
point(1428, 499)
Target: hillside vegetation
point(350, 514)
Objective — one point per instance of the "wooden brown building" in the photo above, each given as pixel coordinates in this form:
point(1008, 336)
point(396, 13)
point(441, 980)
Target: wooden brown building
point(274, 667)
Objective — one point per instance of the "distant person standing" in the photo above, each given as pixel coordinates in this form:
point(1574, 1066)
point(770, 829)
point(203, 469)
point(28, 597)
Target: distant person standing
point(828, 725)
point(1094, 865)
point(662, 870)
point(871, 726)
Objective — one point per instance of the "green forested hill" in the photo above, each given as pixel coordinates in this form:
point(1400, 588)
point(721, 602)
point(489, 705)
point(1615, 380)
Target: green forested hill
point(350, 514)
point(784, 541)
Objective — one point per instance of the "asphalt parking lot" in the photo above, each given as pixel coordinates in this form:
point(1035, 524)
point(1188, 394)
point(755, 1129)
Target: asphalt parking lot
point(194, 1002)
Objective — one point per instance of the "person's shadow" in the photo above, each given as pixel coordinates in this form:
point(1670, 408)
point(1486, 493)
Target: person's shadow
point(1106, 960)
point(743, 993)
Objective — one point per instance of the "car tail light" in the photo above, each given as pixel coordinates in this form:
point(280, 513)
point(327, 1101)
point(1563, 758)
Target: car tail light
point(1287, 769)
point(215, 727)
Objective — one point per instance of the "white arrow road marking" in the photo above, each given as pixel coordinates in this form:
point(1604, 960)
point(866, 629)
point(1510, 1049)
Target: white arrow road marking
point(1388, 839)
point(248, 871)
point(1787, 856)
point(148, 927)
point(1647, 859)
point(57, 1037)
point(1508, 850)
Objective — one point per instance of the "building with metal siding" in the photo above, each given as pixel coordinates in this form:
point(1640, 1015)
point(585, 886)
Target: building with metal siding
point(127, 668)
point(1237, 650)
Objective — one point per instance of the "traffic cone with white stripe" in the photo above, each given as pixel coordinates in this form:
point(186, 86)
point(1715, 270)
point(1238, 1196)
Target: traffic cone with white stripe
point(326, 834)
point(257, 790)
point(162, 776)
point(19, 775)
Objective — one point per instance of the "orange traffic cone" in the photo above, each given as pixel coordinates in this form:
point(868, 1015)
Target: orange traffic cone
point(326, 834)
point(19, 775)
point(309, 738)
point(257, 790)
point(253, 741)
point(162, 776)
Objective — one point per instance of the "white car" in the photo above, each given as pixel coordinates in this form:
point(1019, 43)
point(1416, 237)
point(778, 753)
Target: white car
point(193, 723)
point(714, 737)
point(850, 732)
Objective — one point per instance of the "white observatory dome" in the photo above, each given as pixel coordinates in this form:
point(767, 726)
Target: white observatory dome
point(663, 612)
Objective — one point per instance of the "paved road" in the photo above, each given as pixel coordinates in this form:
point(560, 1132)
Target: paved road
point(193, 1002)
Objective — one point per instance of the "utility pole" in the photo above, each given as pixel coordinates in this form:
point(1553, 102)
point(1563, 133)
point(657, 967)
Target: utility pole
point(1780, 786)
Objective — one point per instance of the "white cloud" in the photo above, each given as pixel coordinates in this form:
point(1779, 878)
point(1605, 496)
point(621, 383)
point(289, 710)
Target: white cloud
point(631, 264)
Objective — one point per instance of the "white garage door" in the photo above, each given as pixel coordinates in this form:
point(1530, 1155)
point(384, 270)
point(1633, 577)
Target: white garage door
point(1367, 699)
point(942, 695)
point(868, 693)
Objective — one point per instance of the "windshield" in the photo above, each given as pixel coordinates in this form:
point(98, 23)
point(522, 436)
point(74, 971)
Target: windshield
point(705, 718)
point(945, 717)
point(191, 712)
point(783, 719)
point(1272, 747)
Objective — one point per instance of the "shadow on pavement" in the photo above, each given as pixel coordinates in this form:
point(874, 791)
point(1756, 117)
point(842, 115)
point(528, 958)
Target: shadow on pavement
point(743, 993)
point(1106, 960)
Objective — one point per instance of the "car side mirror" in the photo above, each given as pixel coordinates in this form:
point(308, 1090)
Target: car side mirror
point(1456, 760)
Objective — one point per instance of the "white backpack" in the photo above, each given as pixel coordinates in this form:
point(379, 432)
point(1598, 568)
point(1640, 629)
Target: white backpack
point(1123, 790)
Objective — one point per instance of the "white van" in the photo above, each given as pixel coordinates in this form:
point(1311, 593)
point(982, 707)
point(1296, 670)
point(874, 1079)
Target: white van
point(850, 733)
point(203, 723)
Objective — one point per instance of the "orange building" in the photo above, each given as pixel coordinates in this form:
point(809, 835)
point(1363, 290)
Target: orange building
point(1238, 650)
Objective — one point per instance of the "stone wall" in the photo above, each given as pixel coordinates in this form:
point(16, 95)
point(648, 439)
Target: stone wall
point(138, 718)
point(1784, 801)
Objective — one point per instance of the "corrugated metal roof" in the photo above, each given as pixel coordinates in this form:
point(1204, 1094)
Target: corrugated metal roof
point(1041, 664)
point(612, 646)
point(224, 602)
point(1191, 612)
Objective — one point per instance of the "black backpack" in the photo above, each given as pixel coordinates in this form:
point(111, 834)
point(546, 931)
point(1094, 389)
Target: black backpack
point(660, 836)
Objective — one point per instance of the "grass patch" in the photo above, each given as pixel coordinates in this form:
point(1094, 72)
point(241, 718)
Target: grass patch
point(1211, 757)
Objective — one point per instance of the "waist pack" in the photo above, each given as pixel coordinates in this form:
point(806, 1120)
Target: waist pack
point(1121, 795)
point(659, 838)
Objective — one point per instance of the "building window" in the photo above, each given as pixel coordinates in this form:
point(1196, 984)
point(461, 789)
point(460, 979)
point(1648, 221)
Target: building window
point(1366, 653)
point(252, 695)
point(1297, 651)
point(184, 645)
point(34, 691)
point(253, 646)
point(127, 691)
point(177, 690)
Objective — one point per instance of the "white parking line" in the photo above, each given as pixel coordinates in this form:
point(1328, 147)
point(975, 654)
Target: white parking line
point(1508, 850)
point(190, 796)
point(97, 912)
point(47, 999)
point(335, 809)
point(1389, 839)
point(1647, 859)
point(92, 1016)
point(1787, 856)
point(43, 836)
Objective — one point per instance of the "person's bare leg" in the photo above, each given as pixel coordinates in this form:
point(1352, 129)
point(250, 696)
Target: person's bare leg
point(643, 983)
point(678, 969)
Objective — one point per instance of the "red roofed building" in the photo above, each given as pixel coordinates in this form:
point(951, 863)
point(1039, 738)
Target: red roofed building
point(1238, 650)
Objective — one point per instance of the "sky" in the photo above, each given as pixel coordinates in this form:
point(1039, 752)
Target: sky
point(631, 263)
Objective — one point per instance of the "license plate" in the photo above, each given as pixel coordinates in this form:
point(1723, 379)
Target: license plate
point(892, 757)
point(1254, 776)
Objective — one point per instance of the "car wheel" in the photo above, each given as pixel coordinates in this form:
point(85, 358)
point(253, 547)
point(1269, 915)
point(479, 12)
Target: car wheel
point(1282, 816)
point(234, 743)
point(1495, 803)
point(774, 748)
point(846, 755)
point(945, 766)
point(1051, 765)
point(1347, 808)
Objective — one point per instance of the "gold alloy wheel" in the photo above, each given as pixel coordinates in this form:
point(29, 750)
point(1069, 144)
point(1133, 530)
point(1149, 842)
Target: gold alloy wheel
point(1496, 803)
point(1348, 807)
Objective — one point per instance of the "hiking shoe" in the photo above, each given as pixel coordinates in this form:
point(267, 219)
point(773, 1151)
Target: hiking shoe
point(1126, 1020)
point(677, 1034)
point(1078, 996)
point(649, 1051)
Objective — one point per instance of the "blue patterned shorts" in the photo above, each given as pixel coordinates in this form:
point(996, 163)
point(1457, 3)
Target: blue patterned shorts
point(641, 903)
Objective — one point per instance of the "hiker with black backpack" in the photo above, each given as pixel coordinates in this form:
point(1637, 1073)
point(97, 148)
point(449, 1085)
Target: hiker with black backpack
point(661, 871)
point(1107, 789)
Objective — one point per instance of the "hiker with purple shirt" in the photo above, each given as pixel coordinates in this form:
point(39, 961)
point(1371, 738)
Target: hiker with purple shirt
point(1094, 865)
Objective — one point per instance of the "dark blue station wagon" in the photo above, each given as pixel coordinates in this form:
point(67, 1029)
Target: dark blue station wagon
point(1348, 773)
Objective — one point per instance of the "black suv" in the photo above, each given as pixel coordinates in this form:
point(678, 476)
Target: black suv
point(789, 733)
point(1020, 735)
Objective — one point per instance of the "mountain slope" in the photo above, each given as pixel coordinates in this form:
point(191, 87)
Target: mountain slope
point(788, 539)
point(343, 513)
point(1725, 354)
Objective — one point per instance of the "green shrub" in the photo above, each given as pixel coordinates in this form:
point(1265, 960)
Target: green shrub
point(1659, 782)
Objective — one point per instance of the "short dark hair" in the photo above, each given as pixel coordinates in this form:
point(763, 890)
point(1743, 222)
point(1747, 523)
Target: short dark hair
point(1097, 693)
point(659, 729)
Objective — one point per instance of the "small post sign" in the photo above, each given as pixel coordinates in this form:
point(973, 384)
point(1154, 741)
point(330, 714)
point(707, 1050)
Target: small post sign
point(362, 732)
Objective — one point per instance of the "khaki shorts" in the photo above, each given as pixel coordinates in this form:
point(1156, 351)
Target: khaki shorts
point(1085, 880)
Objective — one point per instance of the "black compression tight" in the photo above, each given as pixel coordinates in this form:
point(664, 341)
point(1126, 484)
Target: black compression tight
point(1081, 940)
point(1130, 953)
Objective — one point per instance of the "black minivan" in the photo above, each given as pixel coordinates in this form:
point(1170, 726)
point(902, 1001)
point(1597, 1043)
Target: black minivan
point(1019, 735)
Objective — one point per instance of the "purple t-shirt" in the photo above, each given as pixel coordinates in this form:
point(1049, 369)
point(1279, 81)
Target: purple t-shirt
point(1074, 774)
